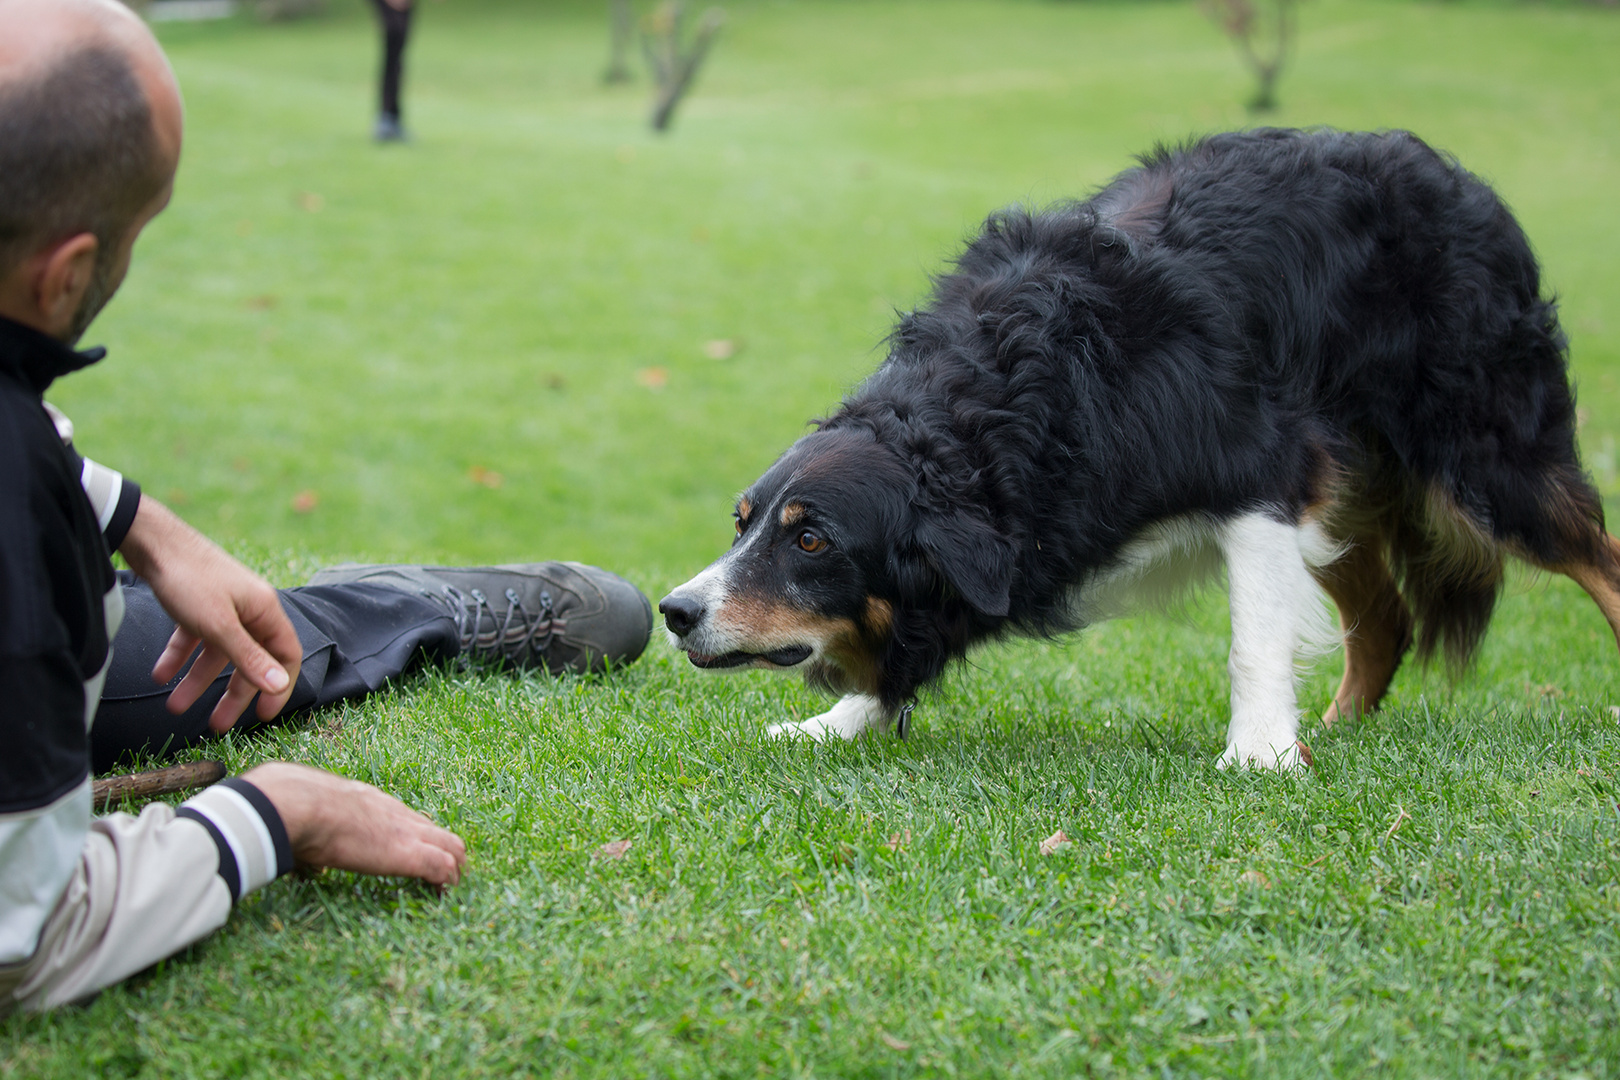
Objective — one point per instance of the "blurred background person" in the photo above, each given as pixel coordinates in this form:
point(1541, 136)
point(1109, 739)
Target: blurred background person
point(395, 16)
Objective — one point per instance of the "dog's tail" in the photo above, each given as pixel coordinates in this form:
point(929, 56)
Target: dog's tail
point(1449, 563)
point(1449, 571)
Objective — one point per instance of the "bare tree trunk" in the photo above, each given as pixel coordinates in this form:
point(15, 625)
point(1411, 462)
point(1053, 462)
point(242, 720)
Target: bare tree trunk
point(1244, 23)
point(674, 66)
point(623, 20)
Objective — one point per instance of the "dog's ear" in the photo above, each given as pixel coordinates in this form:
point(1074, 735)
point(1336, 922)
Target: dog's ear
point(970, 554)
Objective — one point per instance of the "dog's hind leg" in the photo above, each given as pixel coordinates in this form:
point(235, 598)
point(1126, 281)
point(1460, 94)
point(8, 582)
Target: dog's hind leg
point(1570, 539)
point(1274, 603)
point(1600, 577)
point(1376, 622)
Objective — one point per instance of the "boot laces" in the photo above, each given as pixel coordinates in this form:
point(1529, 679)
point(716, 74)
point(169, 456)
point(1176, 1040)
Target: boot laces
point(514, 635)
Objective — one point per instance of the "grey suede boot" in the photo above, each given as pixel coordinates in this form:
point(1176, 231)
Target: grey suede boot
point(563, 616)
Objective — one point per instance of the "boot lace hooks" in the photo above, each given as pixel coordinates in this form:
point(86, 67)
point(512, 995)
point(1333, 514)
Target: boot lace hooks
point(513, 635)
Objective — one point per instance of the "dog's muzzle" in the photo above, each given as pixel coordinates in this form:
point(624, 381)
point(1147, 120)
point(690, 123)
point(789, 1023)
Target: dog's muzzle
point(683, 615)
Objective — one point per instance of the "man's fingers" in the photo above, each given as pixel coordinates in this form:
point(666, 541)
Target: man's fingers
point(256, 671)
point(443, 854)
point(435, 866)
point(252, 662)
point(271, 628)
point(209, 663)
point(175, 654)
point(238, 694)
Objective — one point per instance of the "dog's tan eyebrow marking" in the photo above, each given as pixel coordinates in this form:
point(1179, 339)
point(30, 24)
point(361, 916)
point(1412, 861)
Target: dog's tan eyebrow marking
point(791, 513)
point(744, 508)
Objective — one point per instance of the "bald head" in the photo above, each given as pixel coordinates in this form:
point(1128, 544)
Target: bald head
point(89, 127)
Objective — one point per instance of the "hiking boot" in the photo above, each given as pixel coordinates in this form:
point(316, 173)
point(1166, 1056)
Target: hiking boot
point(562, 616)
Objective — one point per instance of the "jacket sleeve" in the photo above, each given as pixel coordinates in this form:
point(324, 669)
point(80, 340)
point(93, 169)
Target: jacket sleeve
point(145, 887)
point(113, 496)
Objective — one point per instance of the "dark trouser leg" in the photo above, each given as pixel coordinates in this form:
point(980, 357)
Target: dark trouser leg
point(396, 28)
point(355, 638)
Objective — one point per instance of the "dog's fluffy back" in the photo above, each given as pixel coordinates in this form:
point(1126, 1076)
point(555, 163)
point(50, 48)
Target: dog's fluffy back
point(1348, 326)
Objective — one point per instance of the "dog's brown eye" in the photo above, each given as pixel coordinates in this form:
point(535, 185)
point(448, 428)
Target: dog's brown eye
point(812, 541)
point(739, 526)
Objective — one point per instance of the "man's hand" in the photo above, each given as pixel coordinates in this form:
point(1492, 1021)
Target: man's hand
point(217, 603)
point(349, 825)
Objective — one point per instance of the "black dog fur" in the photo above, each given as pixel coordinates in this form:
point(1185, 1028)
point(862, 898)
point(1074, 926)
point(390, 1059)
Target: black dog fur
point(1336, 327)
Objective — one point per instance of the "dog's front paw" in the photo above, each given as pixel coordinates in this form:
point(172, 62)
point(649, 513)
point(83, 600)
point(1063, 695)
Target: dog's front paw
point(1294, 759)
point(797, 731)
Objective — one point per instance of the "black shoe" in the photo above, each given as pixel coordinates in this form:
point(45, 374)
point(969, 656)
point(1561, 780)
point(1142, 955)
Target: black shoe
point(562, 616)
point(389, 129)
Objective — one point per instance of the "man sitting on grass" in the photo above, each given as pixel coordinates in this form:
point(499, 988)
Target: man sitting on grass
point(90, 125)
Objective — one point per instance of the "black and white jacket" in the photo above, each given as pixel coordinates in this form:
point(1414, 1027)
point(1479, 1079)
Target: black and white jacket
point(60, 606)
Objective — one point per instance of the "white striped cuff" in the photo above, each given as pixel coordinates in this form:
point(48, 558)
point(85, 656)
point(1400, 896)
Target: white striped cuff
point(252, 842)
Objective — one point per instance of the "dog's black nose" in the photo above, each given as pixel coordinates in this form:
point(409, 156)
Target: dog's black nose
point(680, 613)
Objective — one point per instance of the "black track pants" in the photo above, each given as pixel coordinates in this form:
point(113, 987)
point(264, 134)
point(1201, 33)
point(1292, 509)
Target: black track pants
point(355, 638)
point(396, 28)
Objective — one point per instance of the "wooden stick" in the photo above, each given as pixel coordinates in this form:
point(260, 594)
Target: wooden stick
point(154, 782)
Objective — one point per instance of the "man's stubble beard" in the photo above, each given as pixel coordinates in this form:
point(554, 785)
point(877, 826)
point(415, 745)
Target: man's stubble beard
point(96, 294)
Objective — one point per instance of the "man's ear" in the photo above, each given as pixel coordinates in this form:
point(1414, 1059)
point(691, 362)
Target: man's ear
point(62, 275)
point(46, 290)
point(972, 556)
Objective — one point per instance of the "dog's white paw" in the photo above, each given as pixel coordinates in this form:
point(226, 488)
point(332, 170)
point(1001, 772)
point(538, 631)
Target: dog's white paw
point(853, 714)
point(1293, 759)
point(797, 731)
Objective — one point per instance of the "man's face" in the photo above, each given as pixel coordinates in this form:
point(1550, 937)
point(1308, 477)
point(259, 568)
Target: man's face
point(112, 263)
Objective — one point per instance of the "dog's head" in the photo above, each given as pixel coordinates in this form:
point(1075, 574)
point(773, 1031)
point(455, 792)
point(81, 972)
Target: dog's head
point(843, 567)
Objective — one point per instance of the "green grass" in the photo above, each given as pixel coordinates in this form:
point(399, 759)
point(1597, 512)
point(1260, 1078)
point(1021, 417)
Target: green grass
point(1439, 897)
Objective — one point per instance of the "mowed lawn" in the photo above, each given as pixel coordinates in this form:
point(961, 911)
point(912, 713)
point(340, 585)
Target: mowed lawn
point(496, 343)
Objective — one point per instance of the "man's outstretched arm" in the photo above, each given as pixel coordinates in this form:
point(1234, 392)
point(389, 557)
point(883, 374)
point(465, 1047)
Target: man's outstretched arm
point(145, 887)
point(217, 603)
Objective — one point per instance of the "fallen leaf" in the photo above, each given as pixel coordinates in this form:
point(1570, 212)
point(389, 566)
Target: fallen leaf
point(1538, 694)
point(898, 841)
point(555, 381)
point(625, 154)
point(311, 201)
point(891, 1042)
point(176, 497)
point(653, 378)
point(305, 501)
point(700, 235)
point(241, 464)
point(613, 850)
point(1053, 842)
point(260, 303)
point(487, 477)
point(1400, 816)
point(1255, 877)
point(720, 349)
